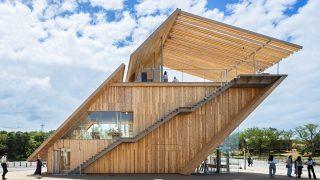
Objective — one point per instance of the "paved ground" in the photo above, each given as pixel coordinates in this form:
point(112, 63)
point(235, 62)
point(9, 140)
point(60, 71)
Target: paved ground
point(26, 174)
point(258, 172)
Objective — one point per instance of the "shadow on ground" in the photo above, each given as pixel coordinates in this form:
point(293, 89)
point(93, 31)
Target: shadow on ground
point(231, 176)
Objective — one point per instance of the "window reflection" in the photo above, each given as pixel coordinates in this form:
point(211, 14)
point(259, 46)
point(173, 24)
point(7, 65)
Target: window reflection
point(103, 125)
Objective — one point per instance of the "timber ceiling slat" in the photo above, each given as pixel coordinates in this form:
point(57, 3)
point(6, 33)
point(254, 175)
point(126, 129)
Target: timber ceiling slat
point(241, 32)
point(243, 66)
point(223, 37)
point(192, 46)
point(223, 30)
point(181, 53)
point(276, 45)
point(200, 39)
point(198, 51)
point(227, 52)
point(232, 49)
point(216, 44)
point(181, 57)
point(236, 42)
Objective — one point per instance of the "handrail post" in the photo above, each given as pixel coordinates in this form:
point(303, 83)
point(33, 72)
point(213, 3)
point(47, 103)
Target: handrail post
point(278, 67)
point(181, 75)
point(227, 75)
point(236, 70)
point(221, 78)
point(161, 60)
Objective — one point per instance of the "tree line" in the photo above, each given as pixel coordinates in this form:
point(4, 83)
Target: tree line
point(262, 141)
point(257, 141)
point(19, 145)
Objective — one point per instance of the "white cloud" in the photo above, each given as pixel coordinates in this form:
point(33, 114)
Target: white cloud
point(148, 7)
point(51, 63)
point(108, 4)
point(69, 5)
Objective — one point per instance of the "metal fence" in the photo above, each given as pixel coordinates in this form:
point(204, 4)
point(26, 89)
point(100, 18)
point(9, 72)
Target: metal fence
point(23, 164)
point(188, 75)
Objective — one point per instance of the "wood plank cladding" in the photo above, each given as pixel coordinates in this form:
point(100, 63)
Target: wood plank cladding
point(170, 147)
point(149, 103)
point(81, 150)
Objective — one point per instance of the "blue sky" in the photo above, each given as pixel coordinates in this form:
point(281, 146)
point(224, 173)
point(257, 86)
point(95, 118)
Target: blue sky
point(53, 54)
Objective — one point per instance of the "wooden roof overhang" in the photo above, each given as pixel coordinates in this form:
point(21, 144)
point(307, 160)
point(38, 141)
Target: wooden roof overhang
point(192, 42)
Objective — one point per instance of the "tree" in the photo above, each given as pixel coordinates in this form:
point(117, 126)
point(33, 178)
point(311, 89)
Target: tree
point(287, 135)
point(19, 145)
point(308, 134)
point(265, 140)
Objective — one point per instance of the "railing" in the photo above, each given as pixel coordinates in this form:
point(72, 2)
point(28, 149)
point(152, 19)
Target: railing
point(22, 164)
point(188, 75)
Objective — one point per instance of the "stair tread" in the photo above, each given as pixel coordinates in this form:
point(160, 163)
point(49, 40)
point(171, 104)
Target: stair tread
point(156, 124)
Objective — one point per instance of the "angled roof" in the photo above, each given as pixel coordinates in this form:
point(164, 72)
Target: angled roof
point(116, 76)
point(193, 42)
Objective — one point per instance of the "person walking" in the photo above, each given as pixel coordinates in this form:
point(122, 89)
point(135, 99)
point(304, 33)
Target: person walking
point(298, 167)
point(272, 166)
point(250, 161)
point(39, 166)
point(310, 163)
point(289, 166)
point(4, 165)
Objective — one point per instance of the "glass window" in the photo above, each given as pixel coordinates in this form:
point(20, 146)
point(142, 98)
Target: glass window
point(102, 125)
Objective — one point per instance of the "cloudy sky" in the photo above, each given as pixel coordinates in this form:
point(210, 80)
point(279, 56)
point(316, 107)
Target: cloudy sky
point(53, 54)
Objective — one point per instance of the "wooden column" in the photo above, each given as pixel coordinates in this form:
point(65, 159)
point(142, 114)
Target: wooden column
point(161, 60)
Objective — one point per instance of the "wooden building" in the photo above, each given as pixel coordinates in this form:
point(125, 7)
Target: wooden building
point(142, 124)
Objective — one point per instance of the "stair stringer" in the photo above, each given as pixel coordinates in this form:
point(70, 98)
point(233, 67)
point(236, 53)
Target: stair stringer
point(236, 120)
point(172, 146)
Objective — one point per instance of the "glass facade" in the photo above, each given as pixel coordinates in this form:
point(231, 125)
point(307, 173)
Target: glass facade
point(102, 125)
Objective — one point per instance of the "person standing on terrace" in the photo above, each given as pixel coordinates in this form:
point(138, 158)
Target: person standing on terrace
point(165, 77)
point(175, 80)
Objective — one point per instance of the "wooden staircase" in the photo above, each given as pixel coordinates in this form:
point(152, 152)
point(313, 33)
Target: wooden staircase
point(180, 110)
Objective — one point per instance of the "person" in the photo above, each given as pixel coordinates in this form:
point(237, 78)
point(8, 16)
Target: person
point(165, 77)
point(272, 166)
point(4, 165)
point(175, 80)
point(289, 166)
point(310, 163)
point(250, 162)
point(39, 166)
point(206, 169)
point(298, 167)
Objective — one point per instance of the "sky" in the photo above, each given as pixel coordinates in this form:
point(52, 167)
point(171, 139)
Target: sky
point(54, 54)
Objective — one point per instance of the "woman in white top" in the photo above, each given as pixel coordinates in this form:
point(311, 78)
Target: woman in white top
point(310, 163)
point(272, 165)
point(4, 166)
point(165, 77)
point(289, 166)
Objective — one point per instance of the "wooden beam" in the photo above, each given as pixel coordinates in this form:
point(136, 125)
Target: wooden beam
point(218, 139)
